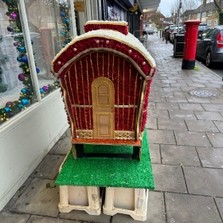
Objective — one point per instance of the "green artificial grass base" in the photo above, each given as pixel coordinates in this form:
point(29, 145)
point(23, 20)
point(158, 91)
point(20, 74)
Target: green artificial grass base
point(108, 172)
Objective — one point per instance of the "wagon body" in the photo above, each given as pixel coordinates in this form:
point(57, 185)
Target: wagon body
point(105, 76)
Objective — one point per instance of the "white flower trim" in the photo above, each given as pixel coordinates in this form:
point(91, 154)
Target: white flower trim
point(128, 40)
point(116, 23)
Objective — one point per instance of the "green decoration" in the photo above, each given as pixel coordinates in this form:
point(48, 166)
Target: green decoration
point(109, 172)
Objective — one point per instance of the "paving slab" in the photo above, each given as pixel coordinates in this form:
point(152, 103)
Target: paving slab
point(18, 194)
point(185, 115)
point(194, 99)
point(204, 181)
point(167, 105)
point(184, 208)
point(179, 98)
point(191, 107)
point(155, 113)
point(157, 98)
point(216, 139)
point(213, 107)
point(41, 219)
point(49, 167)
point(155, 153)
point(62, 146)
point(151, 123)
point(208, 115)
point(169, 81)
point(170, 124)
point(191, 138)
point(211, 157)
point(219, 202)
point(171, 89)
point(179, 155)
point(179, 85)
point(196, 85)
point(40, 197)
point(219, 125)
point(156, 211)
point(161, 136)
point(169, 178)
point(85, 217)
point(187, 89)
point(7, 217)
point(201, 126)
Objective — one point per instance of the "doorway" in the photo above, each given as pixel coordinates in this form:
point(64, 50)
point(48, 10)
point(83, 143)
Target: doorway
point(103, 108)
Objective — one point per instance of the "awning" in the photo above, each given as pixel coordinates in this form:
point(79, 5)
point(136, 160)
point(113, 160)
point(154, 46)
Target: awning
point(149, 4)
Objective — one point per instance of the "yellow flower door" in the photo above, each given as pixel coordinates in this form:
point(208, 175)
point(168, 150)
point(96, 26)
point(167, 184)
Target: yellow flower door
point(103, 108)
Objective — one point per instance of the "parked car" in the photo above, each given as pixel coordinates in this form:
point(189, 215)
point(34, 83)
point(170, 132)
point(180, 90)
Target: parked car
point(201, 28)
point(210, 46)
point(168, 30)
point(148, 30)
point(174, 31)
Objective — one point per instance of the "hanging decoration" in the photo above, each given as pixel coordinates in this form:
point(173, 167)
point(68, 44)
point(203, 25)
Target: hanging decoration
point(27, 94)
point(13, 107)
point(65, 18)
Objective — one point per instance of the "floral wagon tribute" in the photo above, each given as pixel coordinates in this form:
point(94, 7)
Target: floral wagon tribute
point(105, 76)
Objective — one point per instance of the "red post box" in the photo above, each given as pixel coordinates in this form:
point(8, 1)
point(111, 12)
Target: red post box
point(190, 44)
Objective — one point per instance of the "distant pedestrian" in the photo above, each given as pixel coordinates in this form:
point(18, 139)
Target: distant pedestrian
point(165, 35)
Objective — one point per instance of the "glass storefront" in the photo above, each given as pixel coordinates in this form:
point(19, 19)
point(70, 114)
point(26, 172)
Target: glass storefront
point(25, 75)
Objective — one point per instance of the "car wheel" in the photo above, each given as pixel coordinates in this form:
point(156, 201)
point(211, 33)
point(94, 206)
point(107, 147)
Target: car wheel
point(208, 60)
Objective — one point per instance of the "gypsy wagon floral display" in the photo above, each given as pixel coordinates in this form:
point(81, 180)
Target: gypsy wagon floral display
point(105, 76)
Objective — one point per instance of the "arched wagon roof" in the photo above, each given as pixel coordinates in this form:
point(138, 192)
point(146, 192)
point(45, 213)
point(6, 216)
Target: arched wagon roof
point(106, 39)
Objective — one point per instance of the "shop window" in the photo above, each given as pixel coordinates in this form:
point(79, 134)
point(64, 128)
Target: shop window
point(49, 28)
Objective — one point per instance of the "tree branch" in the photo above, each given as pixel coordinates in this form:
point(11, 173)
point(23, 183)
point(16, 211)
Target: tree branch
point(218, 5)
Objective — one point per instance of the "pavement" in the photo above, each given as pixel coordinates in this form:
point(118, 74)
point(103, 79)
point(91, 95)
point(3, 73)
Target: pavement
point(185, 130)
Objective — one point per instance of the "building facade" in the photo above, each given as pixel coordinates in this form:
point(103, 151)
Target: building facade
point(207, 14)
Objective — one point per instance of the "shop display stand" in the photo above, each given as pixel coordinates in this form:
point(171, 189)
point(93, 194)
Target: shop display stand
point(105, 76)
point(126, 183)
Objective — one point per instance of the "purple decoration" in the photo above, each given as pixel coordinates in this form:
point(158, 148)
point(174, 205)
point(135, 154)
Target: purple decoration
point(8, 104)
point(13, 15)
point(21, 77)
point(45, 88)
